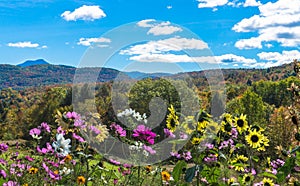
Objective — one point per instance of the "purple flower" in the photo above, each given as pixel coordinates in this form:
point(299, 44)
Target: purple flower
point(183, 135)
point(94, 129)
point(79, 123)
point(115, 162)
point(3, 147)
point(210, 158)
point(145, 134)
point(44, 126)
point(54, 176)
point(41, 151)
point(149, 149)
point(187, 155)
point(11, 183)
point(35, 132)
point(29, 158)
point(60, 130)
point(118, 130)
point(3, 162)
point(72, 115)
point(168, 133)
point(77, 137)
point(175, 154)
point(3, 174)
point(209, 146)
point(127, 165)
point(234, 132)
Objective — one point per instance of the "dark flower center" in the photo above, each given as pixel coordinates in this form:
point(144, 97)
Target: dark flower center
point(172, 123)
point(267, 184)
point(254, 138)
point(247, 179)
point(240, 123)
point(227, 127)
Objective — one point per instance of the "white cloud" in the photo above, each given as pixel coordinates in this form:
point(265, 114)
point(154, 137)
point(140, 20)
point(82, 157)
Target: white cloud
point(248, 43)
point(163, 28)
point(165, 45)
point(25, 44)
point(172, 58)
point(90, 41)
point(211, 3)
point(169, 7)
point(87, 13)
point(232, 58)
point(278, 21)
point(252, 3)
point(276, 58)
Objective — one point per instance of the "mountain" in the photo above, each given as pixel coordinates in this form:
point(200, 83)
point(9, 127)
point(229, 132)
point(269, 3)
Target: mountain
point(33, 62)
point(20, 76)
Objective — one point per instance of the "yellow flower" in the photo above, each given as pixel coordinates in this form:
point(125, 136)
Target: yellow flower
point(212, 128)
point(240, 162)
point(196, 141)
point(68, 158)
point(268, 182)
point(33, 170)
point(254, 139)
point(202, 125)
point(165, 176)
point(247, 178)
point(148, 168)
point(172, 119)
point(189, 124)
point(25, 184)
point(103, 133)
point(231, 180)
point(241, 124)
point(226, 123)
point(80, 180)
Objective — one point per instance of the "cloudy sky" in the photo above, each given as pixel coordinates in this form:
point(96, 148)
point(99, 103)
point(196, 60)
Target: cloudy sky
point(229, 33)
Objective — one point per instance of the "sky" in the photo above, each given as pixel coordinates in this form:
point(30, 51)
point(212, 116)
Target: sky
point(151, 36)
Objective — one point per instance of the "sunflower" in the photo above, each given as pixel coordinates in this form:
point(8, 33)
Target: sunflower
point(148, 168)
point(189, 124)
point(33, 170)
point(202, 125)
point(226, 123)
point(196, 140)
point(254, 139)
point(240, 162)
point(80, 180)
point(172, 119)
point(212, 128)
point(247, 178)
point(165, 176)
point(241, 124)
point(267, 182)
point(231, 180)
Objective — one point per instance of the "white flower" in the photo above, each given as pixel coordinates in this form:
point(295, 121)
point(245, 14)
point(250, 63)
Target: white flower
point(65, 171)
point(61, 145)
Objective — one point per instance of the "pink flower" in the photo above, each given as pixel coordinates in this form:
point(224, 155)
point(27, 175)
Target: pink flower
point(35, 132)
point(187, 155)
point(145, 134)
point(118, 130)
point(60, 130)
point(44, 126)
point(149, 149)
point(3, 174)
point(3, 147)
point(77, 137)
point(168, 133)
point(114, 162)
point(11, 183)
point(115, 181)
point(72, 115)
point(29, 158)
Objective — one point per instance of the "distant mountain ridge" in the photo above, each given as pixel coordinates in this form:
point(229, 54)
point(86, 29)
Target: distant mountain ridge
point(33, 62)
point(33, 73)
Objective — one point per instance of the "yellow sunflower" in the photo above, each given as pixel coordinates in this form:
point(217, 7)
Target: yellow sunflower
point(268, 182)
point(165, 176)
point(231, 180)
point(254, 139)
point(172, 119)
point(247, 179)
point(80, 180)
point(196, 140)
point(212, 128)
point(241, 123)
point(189, 124)
point(226, 123)
point(240, 162)
point(202, 125)
point(33, 170)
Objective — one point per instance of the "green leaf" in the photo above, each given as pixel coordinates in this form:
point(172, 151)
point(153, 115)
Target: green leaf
point(177, 171)
point(239, 145)
point(255, 158)
point(190, 174)
point(268, 174)
point(286, 169)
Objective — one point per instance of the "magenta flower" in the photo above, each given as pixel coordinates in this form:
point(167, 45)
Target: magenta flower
point(115, 162)
point(118, 130)
point(115, 181)
point(72, 115)
point(54, 176)
point(79, 123)
point(175, 154)
point(11, 183)
point(29, 158)
point(210, 158)
point(149, 149)
point(3, 174)
point(3, 162)
point(144, 134)
point(187, 155)
point(3, 147)
point(168, 133)
point(44, 127)
point(60, 130)
point(35, 132)
point(77, 137)
point(95, 130)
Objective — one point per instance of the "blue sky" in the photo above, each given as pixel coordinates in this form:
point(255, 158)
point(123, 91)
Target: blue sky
point(237, 33)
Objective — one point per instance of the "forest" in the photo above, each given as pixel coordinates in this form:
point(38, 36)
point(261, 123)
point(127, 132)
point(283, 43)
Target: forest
point(253, 141)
